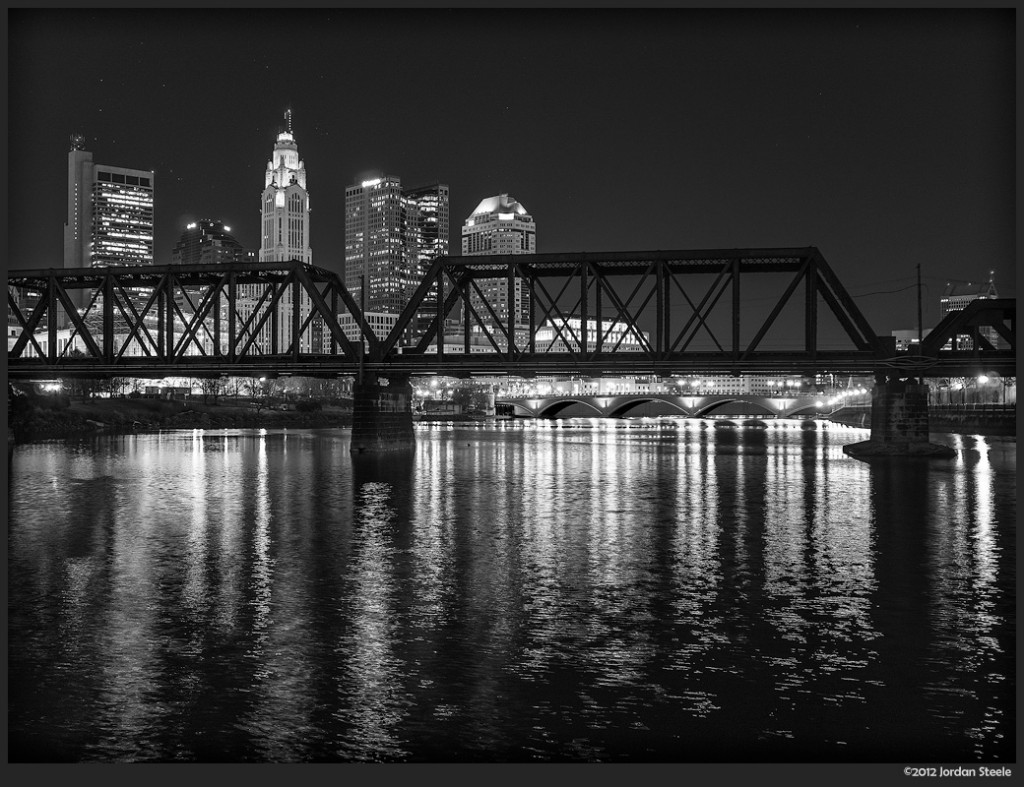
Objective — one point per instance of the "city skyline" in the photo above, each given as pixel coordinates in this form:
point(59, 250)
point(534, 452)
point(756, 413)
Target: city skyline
point(682, 485)
point(883, 138)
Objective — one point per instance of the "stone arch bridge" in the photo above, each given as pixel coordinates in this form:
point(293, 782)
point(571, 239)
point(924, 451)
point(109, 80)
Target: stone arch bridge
point(617, 405)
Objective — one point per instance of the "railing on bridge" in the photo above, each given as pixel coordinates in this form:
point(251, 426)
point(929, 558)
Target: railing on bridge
point(718, 311)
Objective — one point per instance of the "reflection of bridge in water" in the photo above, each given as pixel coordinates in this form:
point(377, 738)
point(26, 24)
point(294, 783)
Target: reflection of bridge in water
point(620, 405)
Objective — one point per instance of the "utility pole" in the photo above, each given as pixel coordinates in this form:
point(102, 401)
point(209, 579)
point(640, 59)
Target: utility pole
point(362, 324)
point(920, 325)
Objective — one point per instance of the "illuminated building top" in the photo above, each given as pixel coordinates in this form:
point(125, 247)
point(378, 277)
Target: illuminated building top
point(502, 203)
point(284, 233)
point(285, 166)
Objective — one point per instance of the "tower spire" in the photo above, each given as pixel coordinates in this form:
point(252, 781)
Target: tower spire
point(288, 120)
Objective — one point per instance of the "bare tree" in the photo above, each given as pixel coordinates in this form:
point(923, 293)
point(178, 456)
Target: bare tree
point(259, 392)
point(211, 387)
point(234, 386)
point(119, 385)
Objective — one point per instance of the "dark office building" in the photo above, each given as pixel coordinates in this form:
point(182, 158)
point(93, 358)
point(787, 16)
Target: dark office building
point(208, 241)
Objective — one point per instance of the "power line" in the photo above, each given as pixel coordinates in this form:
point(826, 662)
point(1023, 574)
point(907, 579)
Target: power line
point(887, 292)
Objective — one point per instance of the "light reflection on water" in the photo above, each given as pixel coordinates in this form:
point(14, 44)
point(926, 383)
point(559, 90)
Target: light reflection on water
point(580, 590)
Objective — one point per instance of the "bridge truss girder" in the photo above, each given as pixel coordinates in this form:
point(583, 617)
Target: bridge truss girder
point(229, 319)
point(998, 315)
point(202, 318)
point(570, 293)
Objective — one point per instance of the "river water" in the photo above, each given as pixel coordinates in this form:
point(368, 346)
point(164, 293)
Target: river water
point(643, 590)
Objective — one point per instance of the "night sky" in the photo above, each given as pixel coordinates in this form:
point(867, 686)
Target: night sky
point(886, 139)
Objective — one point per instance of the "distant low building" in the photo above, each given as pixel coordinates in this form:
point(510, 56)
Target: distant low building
point(906, 340)
point(566, 335)
point(380, 323)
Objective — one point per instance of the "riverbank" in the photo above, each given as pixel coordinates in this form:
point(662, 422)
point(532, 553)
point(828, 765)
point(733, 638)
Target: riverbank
point(42, 418)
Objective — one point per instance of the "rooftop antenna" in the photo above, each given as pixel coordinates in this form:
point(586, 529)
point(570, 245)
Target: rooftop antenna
point(288, 120)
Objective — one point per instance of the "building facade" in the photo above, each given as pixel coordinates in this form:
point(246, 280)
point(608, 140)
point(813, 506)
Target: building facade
point(285, 236)
point(381, 323)
point(565, 335)
point(109, 215)
point(391, 236)
point(380, 265)
point(906, 339)
point(958, 295)
point(428, 222)
point(500, 225)
point(284, 223)
point(209, 242)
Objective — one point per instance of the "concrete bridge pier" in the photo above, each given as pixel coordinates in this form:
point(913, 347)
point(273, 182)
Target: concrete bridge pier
point(899, 422)
point(382, 414)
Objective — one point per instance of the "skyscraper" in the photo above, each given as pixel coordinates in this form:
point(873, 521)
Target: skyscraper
point(391, 236)
point(428, 227)
point(285, 220)
point(209, 242)
point(429, 221)
point(110, 214)
point(379, 263)
point(501, 225)
point(284, 236)
point(206, 242)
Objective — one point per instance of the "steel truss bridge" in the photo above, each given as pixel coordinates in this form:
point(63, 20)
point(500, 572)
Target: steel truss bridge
point(775, 311)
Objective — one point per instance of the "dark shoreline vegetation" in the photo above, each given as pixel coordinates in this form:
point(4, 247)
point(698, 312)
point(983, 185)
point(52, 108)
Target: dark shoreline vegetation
point(40, 417)
point(35, 417)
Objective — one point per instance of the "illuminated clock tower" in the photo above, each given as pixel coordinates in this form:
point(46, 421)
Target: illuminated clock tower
point(284, 236)
point(284, 232)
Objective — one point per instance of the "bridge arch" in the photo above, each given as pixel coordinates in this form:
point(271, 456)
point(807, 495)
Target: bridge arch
point(695, 406)
point(520, 409)
point(554, 408)
point(623, 404)
point(809, 409)
point(708, 407)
